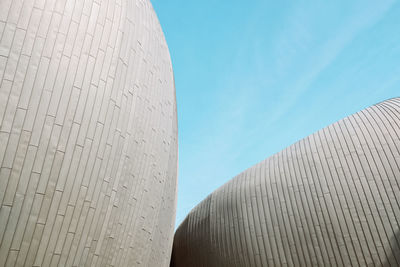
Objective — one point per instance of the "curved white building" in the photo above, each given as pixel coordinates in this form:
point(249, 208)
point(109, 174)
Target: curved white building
point(331, 199)
point(88, 134)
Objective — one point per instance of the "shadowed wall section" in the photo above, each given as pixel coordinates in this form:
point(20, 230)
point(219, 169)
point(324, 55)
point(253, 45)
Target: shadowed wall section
point(88, 134)
point(331, 199)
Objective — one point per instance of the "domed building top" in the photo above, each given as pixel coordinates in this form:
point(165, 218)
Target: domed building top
point(331, 199)
point(88, 134)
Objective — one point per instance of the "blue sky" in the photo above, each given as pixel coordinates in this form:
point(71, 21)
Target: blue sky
point(254, 77)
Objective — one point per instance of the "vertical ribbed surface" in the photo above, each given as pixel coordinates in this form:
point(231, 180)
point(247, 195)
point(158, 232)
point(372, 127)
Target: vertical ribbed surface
point(88, 134)
point(331, 199)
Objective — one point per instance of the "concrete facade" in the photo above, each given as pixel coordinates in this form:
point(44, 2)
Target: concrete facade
point(331, 199)
point(88, 134)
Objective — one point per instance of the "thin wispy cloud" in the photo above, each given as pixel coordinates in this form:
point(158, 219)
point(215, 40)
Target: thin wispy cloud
point(253, 79)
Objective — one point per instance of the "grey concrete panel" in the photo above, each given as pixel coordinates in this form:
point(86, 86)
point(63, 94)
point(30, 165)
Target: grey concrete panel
point(331, 199)
point(88, 134)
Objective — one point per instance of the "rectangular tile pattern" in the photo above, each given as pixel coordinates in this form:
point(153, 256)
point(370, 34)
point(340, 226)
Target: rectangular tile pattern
point(331, 199)
point(88, 134)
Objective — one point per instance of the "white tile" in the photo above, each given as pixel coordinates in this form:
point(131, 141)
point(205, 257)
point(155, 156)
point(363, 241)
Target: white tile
point(4, 9)
point(25, 15)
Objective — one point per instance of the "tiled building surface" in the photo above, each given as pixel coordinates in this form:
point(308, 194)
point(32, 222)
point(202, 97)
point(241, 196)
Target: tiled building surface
point(88, 134)
point(331, 199)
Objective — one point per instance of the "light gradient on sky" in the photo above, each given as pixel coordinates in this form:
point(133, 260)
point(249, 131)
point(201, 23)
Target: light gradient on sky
point(253, 77)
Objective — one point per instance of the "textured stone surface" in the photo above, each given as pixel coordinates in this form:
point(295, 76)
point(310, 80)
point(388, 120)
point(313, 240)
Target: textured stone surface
point(88, 134)
point(331, 199)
